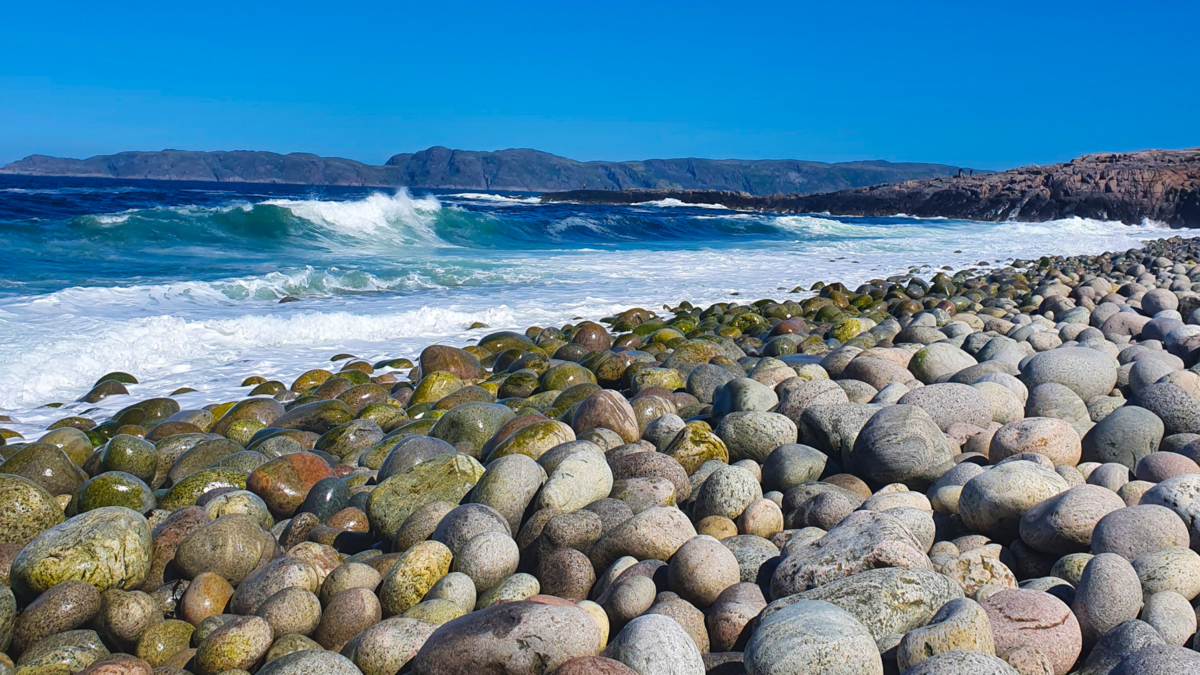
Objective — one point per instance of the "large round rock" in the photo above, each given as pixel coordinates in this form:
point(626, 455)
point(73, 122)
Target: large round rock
point(812, 636)
point(1086, 372)
point(108, 547)
point(509, 637)
point(901, 444)
point(654, 643)
point(993, 502)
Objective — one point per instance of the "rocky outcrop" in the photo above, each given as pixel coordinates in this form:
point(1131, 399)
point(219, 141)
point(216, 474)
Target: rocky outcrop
point(1162, 185)
point(520, 170)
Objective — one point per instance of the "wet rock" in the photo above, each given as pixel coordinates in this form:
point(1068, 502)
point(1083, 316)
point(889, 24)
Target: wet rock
point(232, 546)
point(445, 477)
point(108, 547)
point(26, 510)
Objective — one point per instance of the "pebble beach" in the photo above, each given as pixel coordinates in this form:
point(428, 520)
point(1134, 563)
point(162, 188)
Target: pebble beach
point(985, 471)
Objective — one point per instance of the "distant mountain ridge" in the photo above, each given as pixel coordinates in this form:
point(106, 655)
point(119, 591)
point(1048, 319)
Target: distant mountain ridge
point(521, 170)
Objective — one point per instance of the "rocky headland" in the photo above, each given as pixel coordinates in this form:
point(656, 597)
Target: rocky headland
point(990, 471)
point(520, 170)
point(1160, 185)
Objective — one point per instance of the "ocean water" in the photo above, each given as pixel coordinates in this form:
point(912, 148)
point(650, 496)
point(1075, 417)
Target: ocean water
point(179, 283)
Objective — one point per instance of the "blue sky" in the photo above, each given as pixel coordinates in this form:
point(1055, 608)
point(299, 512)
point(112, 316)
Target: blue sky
point(981, 84)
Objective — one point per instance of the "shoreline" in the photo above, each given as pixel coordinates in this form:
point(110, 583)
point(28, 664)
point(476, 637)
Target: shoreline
point(959, 428)
point(926, 277)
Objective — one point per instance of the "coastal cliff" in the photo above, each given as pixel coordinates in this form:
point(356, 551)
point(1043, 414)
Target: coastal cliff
point(519, 170)
point(1160, 185)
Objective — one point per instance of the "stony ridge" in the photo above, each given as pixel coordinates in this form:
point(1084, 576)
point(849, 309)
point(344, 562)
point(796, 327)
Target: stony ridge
point(1162, 185)
point(520, 170)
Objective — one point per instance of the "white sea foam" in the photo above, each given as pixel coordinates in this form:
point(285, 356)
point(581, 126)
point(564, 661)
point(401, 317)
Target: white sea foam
point(671, 202)
point(478, 196)
point(397, 218)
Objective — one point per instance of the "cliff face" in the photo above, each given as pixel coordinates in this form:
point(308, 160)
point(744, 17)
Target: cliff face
point(1162, 185)
point(518, 170)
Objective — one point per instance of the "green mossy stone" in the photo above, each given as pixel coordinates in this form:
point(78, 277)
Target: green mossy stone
point(447, 477)
point(202, 456)
point(63, 653)
point(471, 424)
point(696, 444)
point(26, 510)
point(268, 388)
point(47, 466)
point(498, 342)
point(564, 376)
point(187, 491)
point(399, 364)
point(262, 410)
point(318, 416)
point(413, 574)
point(667, 378)
point(114, 488)
point(520, 384)
point(355, 435)
point(387, 415)
point(246, 460)
point(242, 431)
point(81, 423)
point(534, 440)
point(73, 442)
point(163, 640)
point(108, 547)
point(130, 454)
point(513, 588)
point(434, 387)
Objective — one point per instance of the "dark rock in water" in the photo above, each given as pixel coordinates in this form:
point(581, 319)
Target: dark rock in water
point(103, 390)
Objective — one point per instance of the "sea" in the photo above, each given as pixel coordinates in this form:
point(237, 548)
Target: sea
point(180, 283)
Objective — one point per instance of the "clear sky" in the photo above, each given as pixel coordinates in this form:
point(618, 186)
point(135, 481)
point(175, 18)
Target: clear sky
point(972, 83)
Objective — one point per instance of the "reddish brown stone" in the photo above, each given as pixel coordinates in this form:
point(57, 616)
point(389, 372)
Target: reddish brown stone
point(1026, 618)
point(119, 664)
point(349, 519)
point(166, 540)
point(284, 482)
